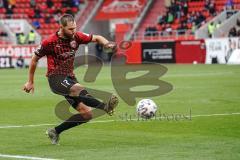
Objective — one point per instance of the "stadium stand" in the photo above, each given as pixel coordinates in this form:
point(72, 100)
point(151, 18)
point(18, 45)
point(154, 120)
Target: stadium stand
point(42, 14)
point(181, 19)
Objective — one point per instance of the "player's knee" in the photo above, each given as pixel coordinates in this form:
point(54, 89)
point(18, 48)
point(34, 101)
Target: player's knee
point(86, 112)
point(87, 115)
point(76, 89)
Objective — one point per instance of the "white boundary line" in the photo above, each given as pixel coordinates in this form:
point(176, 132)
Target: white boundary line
point(218, 114)
point(24, 157)
point(22, 126)
point(124, 120)
point(198, 74)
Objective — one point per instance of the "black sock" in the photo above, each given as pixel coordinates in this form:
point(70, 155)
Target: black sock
point(73, 121)
point(91, 101)
point(88, 100)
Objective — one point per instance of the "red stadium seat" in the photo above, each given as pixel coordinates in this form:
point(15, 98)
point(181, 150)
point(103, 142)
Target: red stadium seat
point(58, 5)
point(74, 9)
point(40, 1)
point(27, 10)
point(41, 20)
point(189, 25)
point(44, 26)
point(174, 26)
point(2, 10)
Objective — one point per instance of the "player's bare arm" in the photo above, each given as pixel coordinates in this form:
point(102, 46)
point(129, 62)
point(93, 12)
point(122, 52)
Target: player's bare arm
point(29, 85)
point(101, 40)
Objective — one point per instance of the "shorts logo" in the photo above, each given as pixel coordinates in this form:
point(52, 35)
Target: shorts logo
point(65, 83)
point(73, 44)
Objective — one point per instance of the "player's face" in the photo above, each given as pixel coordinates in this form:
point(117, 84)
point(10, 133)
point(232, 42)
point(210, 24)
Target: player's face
point(69, 30)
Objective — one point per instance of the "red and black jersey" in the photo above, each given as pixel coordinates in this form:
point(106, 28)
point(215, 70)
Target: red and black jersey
point(61, 52)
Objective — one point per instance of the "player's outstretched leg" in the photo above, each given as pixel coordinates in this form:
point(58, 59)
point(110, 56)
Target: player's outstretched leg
point(109, 107)
point(89, 100)
point(111, 104)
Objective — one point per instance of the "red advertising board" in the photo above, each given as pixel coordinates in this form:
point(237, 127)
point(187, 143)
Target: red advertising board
point(134, 53)
point(158, 52)
point(9, 55)
point(182, 51)
point(15, 51)
point(190, 51)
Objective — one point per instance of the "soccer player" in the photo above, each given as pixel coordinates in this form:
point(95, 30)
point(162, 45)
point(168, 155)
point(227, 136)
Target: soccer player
point(60, 49)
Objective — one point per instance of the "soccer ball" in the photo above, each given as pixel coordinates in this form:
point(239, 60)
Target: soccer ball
point(146, 108)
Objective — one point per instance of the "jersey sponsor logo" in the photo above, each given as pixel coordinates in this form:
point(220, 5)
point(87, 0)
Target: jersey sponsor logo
point(73, 44)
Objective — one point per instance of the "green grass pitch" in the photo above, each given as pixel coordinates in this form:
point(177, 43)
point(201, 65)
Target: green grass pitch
point(210, 92)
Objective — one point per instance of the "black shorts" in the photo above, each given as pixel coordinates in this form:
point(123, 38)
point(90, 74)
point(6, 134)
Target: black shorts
point(61, 85)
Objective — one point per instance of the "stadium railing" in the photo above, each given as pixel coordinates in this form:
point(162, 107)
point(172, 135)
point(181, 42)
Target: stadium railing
point(164, 35)
point(13, 16)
